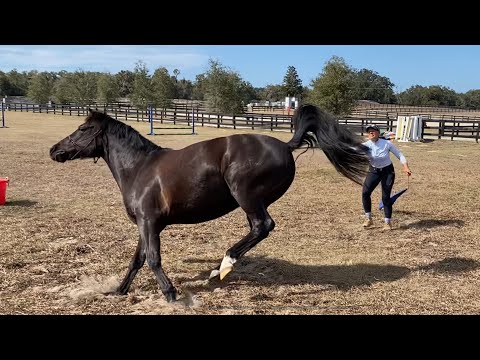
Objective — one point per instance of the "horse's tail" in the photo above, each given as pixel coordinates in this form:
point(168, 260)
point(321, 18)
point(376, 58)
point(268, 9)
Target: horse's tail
point(344, 149)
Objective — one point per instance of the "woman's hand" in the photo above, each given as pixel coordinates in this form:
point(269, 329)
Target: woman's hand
point(407, 170)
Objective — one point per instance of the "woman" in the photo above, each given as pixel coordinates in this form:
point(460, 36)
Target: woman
point(381, 170)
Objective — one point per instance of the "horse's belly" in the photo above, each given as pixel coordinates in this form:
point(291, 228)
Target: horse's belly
point(202, 204)
point(198, 217)
point(196, 213)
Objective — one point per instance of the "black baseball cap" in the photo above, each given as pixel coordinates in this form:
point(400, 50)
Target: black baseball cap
point(374, 127)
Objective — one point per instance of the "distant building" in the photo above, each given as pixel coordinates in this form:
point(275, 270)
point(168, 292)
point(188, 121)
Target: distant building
point(291, 102)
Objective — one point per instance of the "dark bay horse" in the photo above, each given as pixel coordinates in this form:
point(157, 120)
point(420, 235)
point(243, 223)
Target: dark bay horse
point(205, 180)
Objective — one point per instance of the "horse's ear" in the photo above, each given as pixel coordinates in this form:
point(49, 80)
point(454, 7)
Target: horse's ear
point(90, 111)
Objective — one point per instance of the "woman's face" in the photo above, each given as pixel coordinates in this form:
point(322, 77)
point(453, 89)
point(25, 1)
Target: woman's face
point(373, 135)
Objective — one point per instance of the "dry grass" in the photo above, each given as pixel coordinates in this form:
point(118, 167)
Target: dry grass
point(65, 238)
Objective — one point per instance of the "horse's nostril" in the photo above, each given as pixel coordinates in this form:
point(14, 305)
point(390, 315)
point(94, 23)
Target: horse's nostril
point(54, 150)
point(55, 153)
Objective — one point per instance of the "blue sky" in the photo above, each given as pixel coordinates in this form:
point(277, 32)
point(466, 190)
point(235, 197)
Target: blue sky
point(453, 66)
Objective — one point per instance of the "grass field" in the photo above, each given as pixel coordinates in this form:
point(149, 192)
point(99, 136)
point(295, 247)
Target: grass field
point(65, 237)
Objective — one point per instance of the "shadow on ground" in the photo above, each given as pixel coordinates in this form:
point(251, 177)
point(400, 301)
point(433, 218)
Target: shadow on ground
point(21, 203)
point(432, 223)
point(263, 271)
point(451, 265)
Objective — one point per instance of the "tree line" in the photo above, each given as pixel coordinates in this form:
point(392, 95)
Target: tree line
point(337, 88)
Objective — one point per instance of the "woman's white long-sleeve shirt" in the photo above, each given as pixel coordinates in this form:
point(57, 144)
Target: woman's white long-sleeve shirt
point(379, 153)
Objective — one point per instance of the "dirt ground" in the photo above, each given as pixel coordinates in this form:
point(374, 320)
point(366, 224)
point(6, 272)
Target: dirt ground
point(65, 238)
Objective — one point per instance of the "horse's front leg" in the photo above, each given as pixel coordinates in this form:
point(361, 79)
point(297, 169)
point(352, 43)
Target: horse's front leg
point(136, 263)
point(150, 233)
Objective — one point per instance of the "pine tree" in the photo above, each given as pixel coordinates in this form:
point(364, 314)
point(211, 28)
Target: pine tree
point(292, 83)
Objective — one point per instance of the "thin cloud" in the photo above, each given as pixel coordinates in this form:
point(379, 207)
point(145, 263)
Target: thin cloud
point(107, 58)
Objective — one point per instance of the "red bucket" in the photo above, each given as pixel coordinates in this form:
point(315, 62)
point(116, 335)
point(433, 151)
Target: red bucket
point(3, 190)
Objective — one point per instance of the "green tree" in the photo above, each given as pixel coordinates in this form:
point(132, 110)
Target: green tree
point(198, 92)
point(249, 93)
point(41, 87)
point(163, 88)
point(306, 92)
point(184, 89)
point(442, 96)
point(292, 83)
point(176, 72)
point(434, 95)
point(471, 99)
point(108, 89)
point(18, 82)
point(332, 90)
point(142, 87)
point(272, 93)
point(225, 91)
point(369, 85)
point(83, 87)
point(5, 86)
point(125, 79)
point(63, 89)
point(414, 96)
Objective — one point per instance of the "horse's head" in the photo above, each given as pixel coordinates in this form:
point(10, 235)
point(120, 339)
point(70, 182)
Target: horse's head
point(85, 142)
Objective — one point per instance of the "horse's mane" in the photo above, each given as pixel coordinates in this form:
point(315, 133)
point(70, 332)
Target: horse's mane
point(122, 131)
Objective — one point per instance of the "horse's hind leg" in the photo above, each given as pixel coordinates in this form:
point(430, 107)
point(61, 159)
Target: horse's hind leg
point(150, 232)
point(136, 263)
point(249, 222)
point(261, 225)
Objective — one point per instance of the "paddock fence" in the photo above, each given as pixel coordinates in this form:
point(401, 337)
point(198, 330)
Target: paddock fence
point(434, 125)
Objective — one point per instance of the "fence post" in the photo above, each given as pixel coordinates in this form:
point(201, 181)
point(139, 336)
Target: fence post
point(150, 118)
point(193, 120)
point(3, 117)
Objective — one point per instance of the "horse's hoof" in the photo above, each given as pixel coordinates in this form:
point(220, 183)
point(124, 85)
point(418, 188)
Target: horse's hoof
point(225, 271)
point(214, 274)
point(171, 296)
point(226, 266)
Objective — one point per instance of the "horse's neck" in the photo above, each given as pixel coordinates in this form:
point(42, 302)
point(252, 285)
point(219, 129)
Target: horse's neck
point(122, 160)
